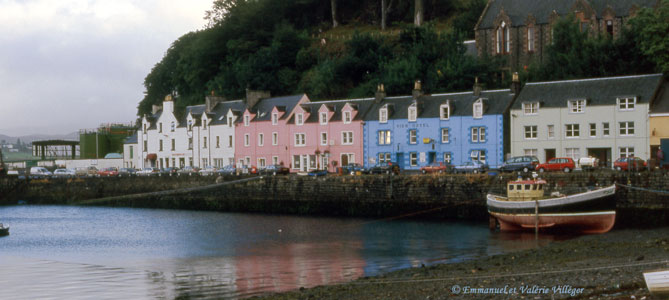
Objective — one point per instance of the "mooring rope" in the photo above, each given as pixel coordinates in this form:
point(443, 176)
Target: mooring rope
point(643, 189)
point(168, 192)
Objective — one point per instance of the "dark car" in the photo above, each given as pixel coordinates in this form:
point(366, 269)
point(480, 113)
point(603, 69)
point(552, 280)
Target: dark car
point(437, 167)
point(520, 163)
point(385, 168)
point(275, 169)
point(318, 173)
point(630, 163)
point(471, 167)
point(126, 172)
point(353, 169)
point(188, 170)
point(227, 170)
point(565, 164)
point(168, 171)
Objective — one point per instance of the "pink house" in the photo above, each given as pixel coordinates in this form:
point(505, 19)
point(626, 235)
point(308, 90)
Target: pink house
point(326, 134)
point(262, 133)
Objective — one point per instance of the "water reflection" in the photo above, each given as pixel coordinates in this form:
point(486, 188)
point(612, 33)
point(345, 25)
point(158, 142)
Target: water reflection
point(111, 253)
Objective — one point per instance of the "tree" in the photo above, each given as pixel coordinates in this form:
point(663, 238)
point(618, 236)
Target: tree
point(333, 5)
point(651, 27)
point(386, 8)
point(219, 10)
point(419, 12)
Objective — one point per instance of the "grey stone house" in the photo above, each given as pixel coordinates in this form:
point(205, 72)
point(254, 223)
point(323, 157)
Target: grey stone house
point(605, 118)
point(521, 29)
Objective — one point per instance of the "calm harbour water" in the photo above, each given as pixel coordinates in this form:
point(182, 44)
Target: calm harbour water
point(68, 252)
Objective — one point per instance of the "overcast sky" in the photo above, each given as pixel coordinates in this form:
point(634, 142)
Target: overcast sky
point(67, 65)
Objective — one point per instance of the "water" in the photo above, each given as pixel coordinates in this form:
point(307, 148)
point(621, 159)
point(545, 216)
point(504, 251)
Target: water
point(123, 253)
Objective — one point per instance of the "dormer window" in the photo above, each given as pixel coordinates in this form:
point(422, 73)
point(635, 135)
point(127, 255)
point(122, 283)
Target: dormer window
point(324, 118)
point(347, 117)
point(299, 119)
point(190, 125)
point(275, 118)
point(173, 126)
point(576, 106)
point(204, 123)
point(531, 108)
point(444, 111)
point(478, 109)
point(247, 120)
point(383, 115)
point(144, 127)
point(229, 121)
point(626, 104)
point(413, 113)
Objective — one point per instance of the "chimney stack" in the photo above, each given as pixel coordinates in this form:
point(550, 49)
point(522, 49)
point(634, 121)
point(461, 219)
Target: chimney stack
point(253, 97)
point(380, 93)
point(211, 101)
point(477, 87)
point(417, 90)
point(515, 84)
point(168, 104)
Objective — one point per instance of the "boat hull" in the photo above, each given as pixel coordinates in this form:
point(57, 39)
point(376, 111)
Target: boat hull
point(4, 231)
point(589, 212)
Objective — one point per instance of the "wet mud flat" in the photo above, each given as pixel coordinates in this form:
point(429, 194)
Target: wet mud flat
point(606, 266)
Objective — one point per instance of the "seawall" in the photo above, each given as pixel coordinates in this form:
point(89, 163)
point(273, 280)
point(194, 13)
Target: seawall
point(434, 196)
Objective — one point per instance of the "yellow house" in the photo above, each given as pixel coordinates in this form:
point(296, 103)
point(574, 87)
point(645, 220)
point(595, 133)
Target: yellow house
point(659, 119)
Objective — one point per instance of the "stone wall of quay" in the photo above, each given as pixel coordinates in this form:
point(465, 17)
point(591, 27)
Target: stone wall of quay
point(418, 196)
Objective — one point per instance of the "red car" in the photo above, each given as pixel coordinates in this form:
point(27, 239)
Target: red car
point(626, 163)
point(108, 172)
point(556, 164)
point(436, 167)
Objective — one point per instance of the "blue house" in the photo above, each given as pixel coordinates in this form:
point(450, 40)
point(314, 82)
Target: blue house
point(418, 130)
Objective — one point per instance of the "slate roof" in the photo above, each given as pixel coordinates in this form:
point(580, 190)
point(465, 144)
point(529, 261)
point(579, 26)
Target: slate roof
point(221, 109)
point(336, 106)
point(661, 103)
point(462, 104)
point(519, 10)
point(263, 109)
point(597, 91)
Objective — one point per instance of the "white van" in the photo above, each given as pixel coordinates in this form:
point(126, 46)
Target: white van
point(38, 172)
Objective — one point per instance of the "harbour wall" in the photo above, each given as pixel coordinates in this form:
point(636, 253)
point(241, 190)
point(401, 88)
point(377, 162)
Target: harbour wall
point(375, 196)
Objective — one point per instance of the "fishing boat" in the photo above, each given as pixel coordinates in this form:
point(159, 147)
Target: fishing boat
point(526, 207)
point(4, 230)
point(657, 283)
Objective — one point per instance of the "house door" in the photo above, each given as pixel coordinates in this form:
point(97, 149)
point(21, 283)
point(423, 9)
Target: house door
point(305, 163)
point(344, 159)
point(550, 154)
point(431, 157)
point(603, 154)
point(400, 160)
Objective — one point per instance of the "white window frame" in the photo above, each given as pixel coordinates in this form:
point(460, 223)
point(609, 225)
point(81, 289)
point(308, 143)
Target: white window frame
point(531, 130)
point(323, 117)
point(530, 39)
point(261, 139)
point(173, 126)
point(385, 137)
point(478, 155)
point(530, 108)
point(413, 136)
point(551, 131)
point(247, 140)
point(262, 162)
point(299, 119)
point(413, 159)
point(574, 153)
point(572, 131)
point(324, 138)
point(626, 152)
point(275, 118)
point(577, 106)
point(275, 160)
point(448, 157)
point(445, 135)
point(606, 129)
point(626, 103)
point(447, 115)
point(275, 138)
point(593, 129)
point(383, 115)
point(412, 113)
point(347, 137)
point(477, 109)
point(478, 135)
point(347, 117)
point(530, 152)
point(247, 120)
point(626, 128)
point(300, 139)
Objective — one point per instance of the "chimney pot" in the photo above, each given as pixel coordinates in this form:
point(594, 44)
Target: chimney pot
point(380, 93)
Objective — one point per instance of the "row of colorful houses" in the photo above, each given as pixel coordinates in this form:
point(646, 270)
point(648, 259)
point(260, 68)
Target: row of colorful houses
point(602, 117)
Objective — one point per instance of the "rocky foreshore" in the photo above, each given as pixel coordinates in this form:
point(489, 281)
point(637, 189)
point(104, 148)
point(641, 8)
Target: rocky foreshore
point(607, 266)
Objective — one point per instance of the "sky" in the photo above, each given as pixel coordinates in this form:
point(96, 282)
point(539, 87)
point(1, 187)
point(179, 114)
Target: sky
point(67, 65)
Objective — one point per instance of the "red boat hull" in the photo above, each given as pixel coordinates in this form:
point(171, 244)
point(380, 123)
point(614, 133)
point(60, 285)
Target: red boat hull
point(595, 222)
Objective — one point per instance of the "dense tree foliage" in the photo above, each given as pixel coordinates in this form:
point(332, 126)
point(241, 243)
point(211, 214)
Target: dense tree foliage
point(652, 29)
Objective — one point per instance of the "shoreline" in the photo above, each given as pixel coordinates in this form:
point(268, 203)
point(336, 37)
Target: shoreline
point(609, 266)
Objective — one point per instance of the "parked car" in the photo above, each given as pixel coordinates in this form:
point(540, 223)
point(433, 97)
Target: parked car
point(86, 171)
point(630, 163)
point(437, 167)
point(565, 164)
point(64, 173)
point(275, 169)
point(108, 172)
point(588, 163)
point(188, 170)
point(208, 170)
point(168, 171)
point(385, 168)
point(471, 167)
point(249, 170)
point(148, 172)
point(39, 172)
point(520, 163)
point(353, 169)
point(19, 173)
point(227, 170)
point(127, 172)
point(318, 173)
